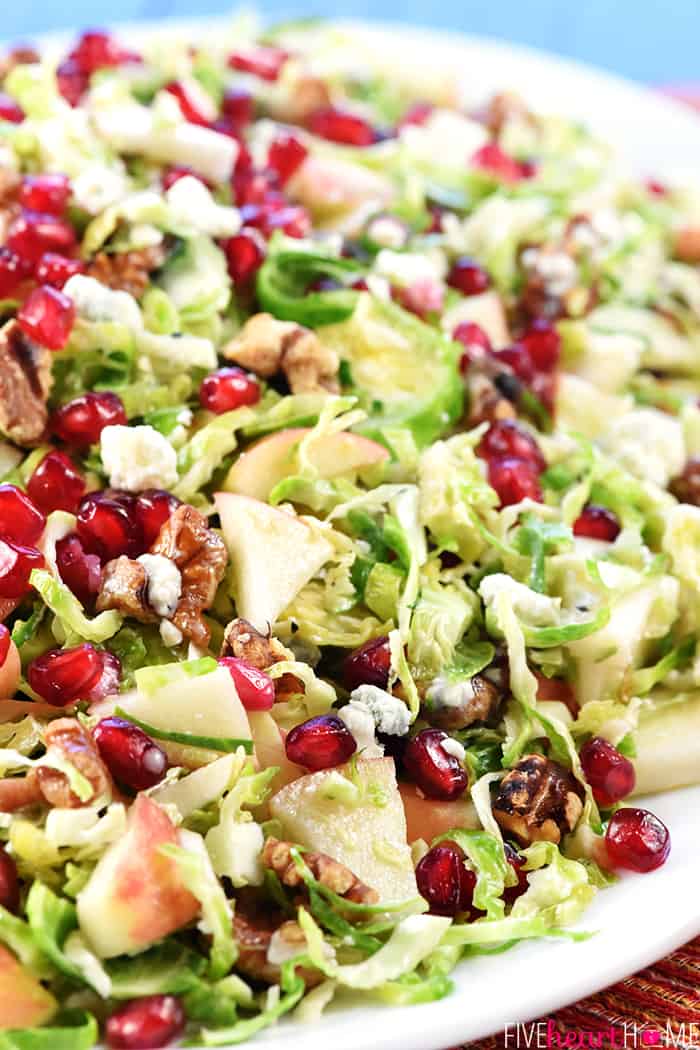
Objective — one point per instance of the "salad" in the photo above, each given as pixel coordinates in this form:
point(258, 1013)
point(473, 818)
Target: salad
point(349, 530)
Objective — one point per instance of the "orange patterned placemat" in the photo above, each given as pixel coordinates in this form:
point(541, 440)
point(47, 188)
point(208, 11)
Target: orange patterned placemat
point(658, 1007)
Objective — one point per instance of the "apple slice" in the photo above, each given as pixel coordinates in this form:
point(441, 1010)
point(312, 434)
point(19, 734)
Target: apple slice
point(426, 818)
point(269, 749)
point(486, 310)
point(24, 1002)
point(330, 186)
point(273, 553)
point(135, 896)
point(256, 472)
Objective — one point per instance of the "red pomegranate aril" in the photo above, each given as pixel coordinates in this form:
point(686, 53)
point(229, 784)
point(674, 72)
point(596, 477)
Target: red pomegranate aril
point(146, 1024)
point(543, 345)
point(507, 439)
point(63, 676)
point(33, 233)
point(517, 862)
point(655, 187)
point(419, 113)
point(108, 682)
point(56, 269)
point(12, 273)
point(257, 187)
point(5, 639)
point(517, 359)
point(468, 277)
point(368, 665)
point(107, 527)
point(597, 523)
point(132, 757)
point(81, 572)
point(56, 484)
point(237, 106)
point(10, 110)
point(16, 564)
point(45, 193)
point(255, 688)
point(338, 125)
point(475, 341)
point(514, 480)
point(286, 155)
point(20, 519)
point(72, 81)
point(188, 105)
point(557, 690)
point(47, 317)
point(610, 774)
point(263, 62)
point(444, 881)
point(228, 388)
point(98, 49)
point(437, 773)
point(497, 162)
point(320, 743)
point(81, 421)
point(9, 883)
point(637, 840)
point(152, 508)
point(245, 254)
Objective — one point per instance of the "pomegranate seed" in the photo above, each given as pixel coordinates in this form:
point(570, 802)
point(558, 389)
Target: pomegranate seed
point(132, 757)
point(47, 317)
point(20, 520)
point(237, 106)
point(609, 773)
point(72, 82)
point(107, 527)
point(97, 49)
point(81, 572)
point(10, 110)
point(81, 421)
point(368, 665)
point(514, 480)
point(518, 359)
point(33, 233)
point(338, 125)
point(5, 639)
point(468, 277)
point(12, 273)
point(475, 340)
point(264, 62)
point(556, 690)
point(444, 880)
point(637, 840)
point(45, 193)
point(146, 1024)
point(507, 439)
point(9, 883)
point(597, 523)
point(245, 254)
point(152, 508)
point(516, 861)
point(257, 187)
point(255, 688)
point(108, 682)
point(16, 564)
point(320, 743)
point(188, 105)
point(56, 484)
point(421, 298)
point(228, 388)
point(542, 343)
point(419, 113)
point(437, 773)
point(62, 676)
point(497, 162)
point(172, 175)
point(56, 269)
point(290, 219)
point(286, 154)
point(656, 187)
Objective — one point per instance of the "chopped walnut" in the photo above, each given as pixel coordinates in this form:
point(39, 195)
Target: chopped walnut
point(686, 245)
point(124, 587)
point(266, 346)
point(538, 800)
point(486, 403)
point(459, 705)
point(330, 873)
point(686, 486)
point(244, 642)
point(254, 934)
point(127, 271)
point(503, 108)
point(19, 792)
point(67, 736)
point(25, 382)
point(294, 107)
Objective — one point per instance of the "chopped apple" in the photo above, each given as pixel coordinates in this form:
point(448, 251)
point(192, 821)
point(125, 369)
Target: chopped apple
point(24, 1002)
point(273, 553)
point(667, 742)
point(330, 187)
point(136, 896)
point(486, 310)
point(269, 749)
point(426, 818)
point(273, 458)
point(357, 820)
point(10, 671)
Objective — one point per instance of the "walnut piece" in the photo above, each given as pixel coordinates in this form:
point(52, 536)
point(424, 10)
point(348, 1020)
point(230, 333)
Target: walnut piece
point(127, 271)
point(501, 109)
point(686, 486)
point(686, 246)
point(266, 346)
point(254, 934)
point(478, 701)
point(124, 587)
point(330, 873)
point(25, 382)
point(67, 736)
point(244, 642)
point(309, 93)
point(538, 800)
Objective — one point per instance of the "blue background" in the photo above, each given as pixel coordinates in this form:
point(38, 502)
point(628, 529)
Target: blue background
point(645, 39)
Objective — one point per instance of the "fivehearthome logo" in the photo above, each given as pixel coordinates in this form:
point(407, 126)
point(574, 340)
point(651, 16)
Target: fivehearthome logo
point(629, 1035)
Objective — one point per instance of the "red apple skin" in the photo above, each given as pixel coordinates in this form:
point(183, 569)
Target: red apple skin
point(24, 1002)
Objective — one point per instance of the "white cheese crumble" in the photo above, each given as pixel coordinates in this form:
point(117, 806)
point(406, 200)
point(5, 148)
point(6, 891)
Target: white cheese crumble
point(164, 583)
point(557, 270)
point(387, 232)
point(98, 186)
point(170, 634)
point(95, 302)
point(528, 604)
point(406, 268)
point(447, 136)
point(390, 714)
point(192, 205)
point(445, 693)
point(649, 443)
point(454, 748)
point(138, 458)
point(358, 718)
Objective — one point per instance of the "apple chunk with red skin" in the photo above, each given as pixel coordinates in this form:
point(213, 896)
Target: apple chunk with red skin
point(256, 472)
point(426, 818)
point(135, 896)
point(24, 1002)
